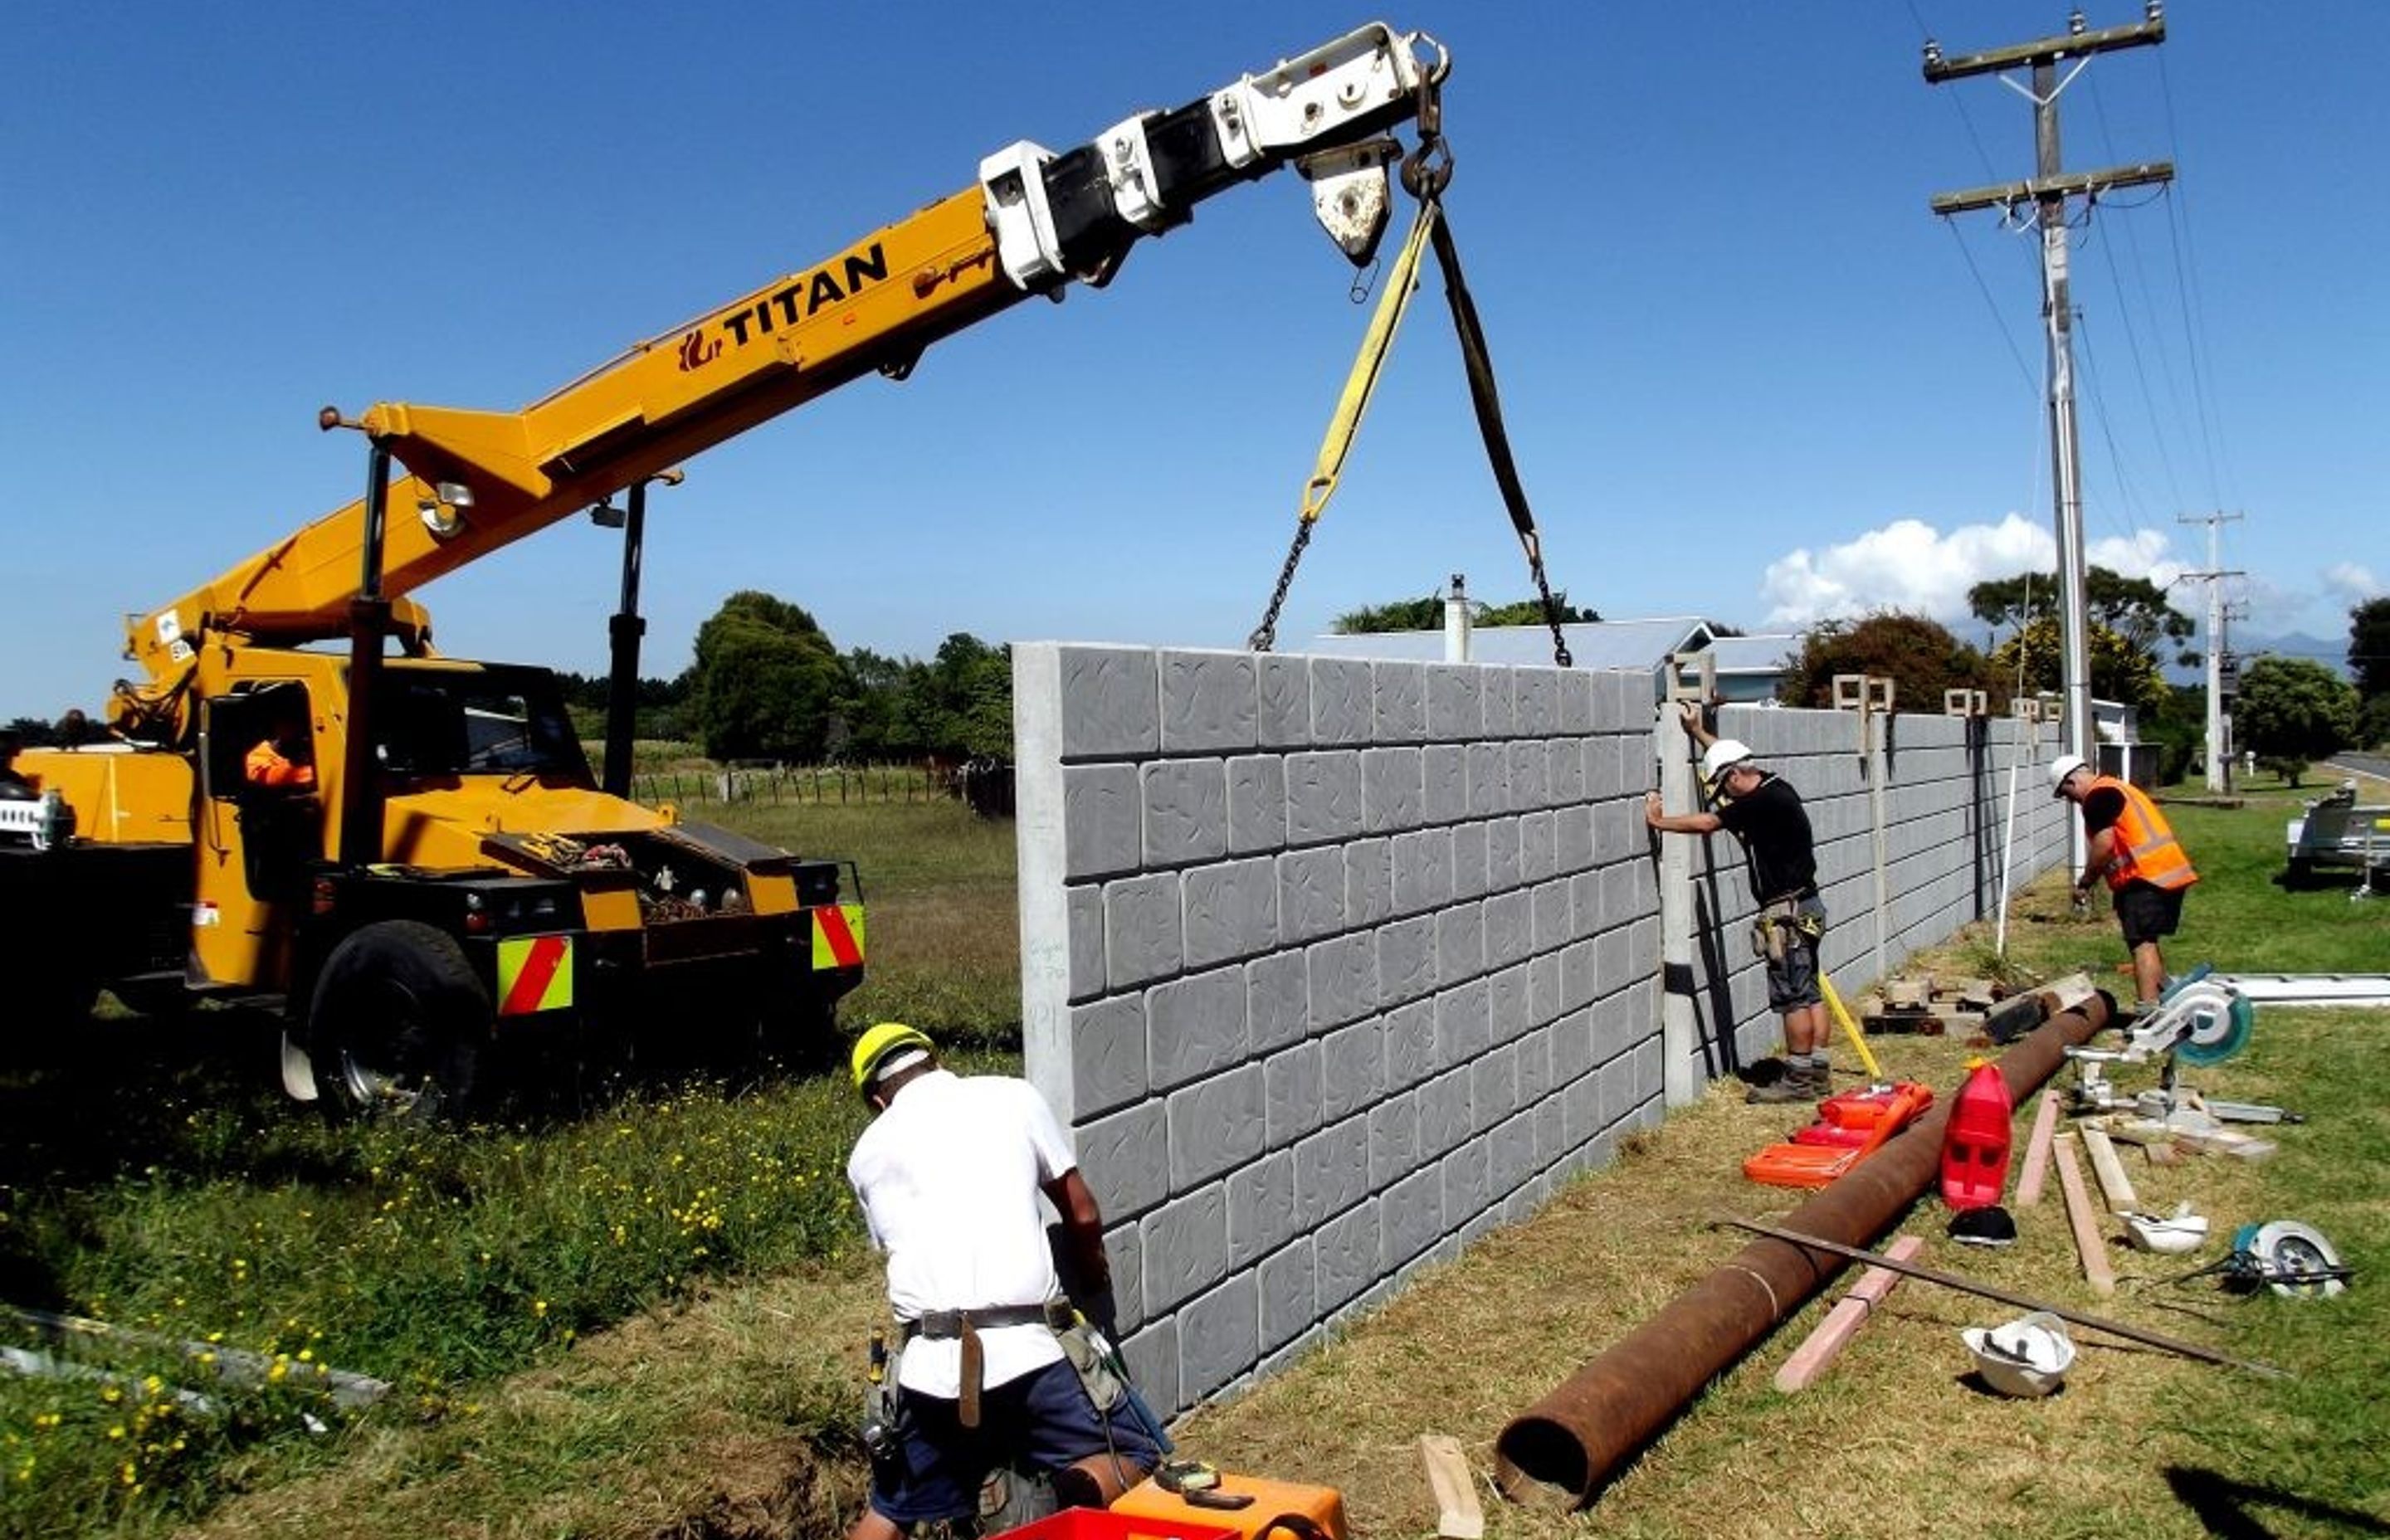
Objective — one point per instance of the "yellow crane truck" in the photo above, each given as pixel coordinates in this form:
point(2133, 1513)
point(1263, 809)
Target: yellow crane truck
point(422, 865)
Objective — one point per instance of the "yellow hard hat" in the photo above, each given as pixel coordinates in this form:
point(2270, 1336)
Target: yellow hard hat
point(878, 1042)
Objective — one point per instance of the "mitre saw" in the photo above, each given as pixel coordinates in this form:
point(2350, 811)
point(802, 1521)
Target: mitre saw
point(2200, 1020)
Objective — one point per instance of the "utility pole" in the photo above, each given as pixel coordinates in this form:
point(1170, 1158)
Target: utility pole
point(2215, 575)
point(2047, 192)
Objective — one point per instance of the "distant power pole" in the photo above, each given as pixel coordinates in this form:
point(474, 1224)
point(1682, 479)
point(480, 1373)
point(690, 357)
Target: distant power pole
point(2047, 191)
point(2215, 575)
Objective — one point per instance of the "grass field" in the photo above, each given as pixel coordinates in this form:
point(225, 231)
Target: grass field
point(644, 1321)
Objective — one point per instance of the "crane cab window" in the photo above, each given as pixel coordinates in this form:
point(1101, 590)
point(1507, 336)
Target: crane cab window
point(491, 722)
point(261, 742)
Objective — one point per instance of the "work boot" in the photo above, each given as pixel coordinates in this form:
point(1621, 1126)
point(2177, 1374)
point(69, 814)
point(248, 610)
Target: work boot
point(1795, 1085)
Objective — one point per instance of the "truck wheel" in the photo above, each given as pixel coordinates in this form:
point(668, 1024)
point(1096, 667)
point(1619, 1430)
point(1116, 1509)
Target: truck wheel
point(397, 1025)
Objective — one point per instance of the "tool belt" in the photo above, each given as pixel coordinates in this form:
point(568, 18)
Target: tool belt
point(1055, 1316)
point(1777, 916)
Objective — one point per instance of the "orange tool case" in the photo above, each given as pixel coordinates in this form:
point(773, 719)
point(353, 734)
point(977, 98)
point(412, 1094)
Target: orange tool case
point(1324, 1506)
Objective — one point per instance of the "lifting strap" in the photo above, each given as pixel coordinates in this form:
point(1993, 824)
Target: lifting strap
point(1426, 173)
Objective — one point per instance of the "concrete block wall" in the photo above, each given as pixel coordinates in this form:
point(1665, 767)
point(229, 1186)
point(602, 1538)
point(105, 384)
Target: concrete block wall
point(1329, 965)
point(1333, 965)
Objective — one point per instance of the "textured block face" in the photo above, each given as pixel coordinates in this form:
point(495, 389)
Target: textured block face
point(1186, 812)
point(1333, 964)
point(1210, 702)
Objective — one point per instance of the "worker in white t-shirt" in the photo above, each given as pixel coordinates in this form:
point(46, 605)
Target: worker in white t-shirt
point(950, 1173)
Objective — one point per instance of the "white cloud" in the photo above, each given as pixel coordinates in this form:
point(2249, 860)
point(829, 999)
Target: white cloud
point(1910, 566)
point(2350, 584)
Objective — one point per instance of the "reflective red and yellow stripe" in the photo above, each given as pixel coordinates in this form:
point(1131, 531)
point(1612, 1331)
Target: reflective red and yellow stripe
point(535, 973)
point(838, 937)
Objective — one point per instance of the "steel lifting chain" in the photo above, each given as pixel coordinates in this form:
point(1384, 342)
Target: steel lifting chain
point(1427, 172)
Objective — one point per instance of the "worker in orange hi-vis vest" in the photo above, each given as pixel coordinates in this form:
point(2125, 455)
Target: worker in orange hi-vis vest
point(2128, 842)
point(286, 760)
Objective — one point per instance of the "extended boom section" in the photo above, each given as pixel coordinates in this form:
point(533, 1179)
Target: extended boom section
point(1035, 221)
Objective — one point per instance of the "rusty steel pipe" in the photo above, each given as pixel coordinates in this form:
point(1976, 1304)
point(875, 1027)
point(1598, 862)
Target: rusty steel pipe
point(1605, 1412)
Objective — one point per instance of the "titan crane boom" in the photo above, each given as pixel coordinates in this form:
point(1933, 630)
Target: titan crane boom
point(1035, 221)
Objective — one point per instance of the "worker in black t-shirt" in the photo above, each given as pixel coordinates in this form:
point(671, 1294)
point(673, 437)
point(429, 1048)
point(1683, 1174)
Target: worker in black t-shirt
point(1762, 810)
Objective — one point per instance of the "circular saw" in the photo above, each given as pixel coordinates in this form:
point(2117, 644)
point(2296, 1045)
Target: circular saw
point(2290, 1258)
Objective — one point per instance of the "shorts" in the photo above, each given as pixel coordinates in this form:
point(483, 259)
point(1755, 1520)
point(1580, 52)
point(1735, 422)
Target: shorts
point(1792, 978)
point(2147, 911)
point(1044, 1419)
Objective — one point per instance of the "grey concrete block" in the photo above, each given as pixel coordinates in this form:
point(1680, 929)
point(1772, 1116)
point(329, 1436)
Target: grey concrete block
point(1323, 796)
point(1143, 940)
point(1283, 683)
point(1585, 903)
point(1619, 830)
point(1217, 1125)
point(1344, 705)
point(1331, 1170)
point(1582, 1114)
point(1493, 695)
point(1580, 976)
point(1108, 1054)
point(1538, 852)
point(1611, 958)
point(1488, 780)
point(1277, 1000)
point(1452, 711)
point(1152, 1356)
point(1565, 770)
point(1310, 894)
point(1411, 1218)
point(1575, 701)
point(1256, 803)
point(1287, 1298)
point(1400, 690)
point(1125, 1256)
point(1510, 927)
point(1551, 1131)
point(1538, 712)
point(1345, 1253)
point(1194, 1026)
point(1543, 988)
point(1410, 1045)
point(1463, 1029)
point(1209, 703)
point(1343, 979)
point(1513, 1153)
point(1126, 1157)
point(1510, 1002)
point(1469, 861)
point(1406, 960)
point(1185, 811)
point(1219, 1336)
point(1459, 943)
point(1534, 1061)
point(1572, 838)
point(1085, 914)
point(1231, 910)
point(1394, 1139)
point(1551, 922)
point(1501, 854)
point(1494, 1086)
point(1110, 702)
point(1261, 1208)
point(1292, 1094)
point(1422, 862)
point(1619, 901)
point(1600, 769)
point(1444, 771)
point(1468, 1189)
point(1186, 1246)
point(1447, 1112)
point(1352, 1068)
point(1643, 945)
point(1102, 820)
point(1393, 794)
point(1369, 880)
point(1530, 786)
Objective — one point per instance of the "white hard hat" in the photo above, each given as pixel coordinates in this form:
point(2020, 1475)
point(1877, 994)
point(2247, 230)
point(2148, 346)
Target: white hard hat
point(1720, 755)
point(2062, 767)
point(2028, 1356)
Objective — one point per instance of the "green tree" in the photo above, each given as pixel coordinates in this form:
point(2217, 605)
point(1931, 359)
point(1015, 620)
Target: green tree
point(2292, 711)
point(1917, 655)
point(2135, 608)
point(768, 681)
point(2120, 671)
point(2369, 646)
point(2373, 722)
point(1427, 615)
point(966, 699)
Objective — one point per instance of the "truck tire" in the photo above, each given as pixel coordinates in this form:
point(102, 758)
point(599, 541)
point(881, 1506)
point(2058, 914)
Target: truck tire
point(398, 1024)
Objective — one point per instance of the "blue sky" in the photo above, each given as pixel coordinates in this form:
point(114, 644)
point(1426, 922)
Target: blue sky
point(1748, 373)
